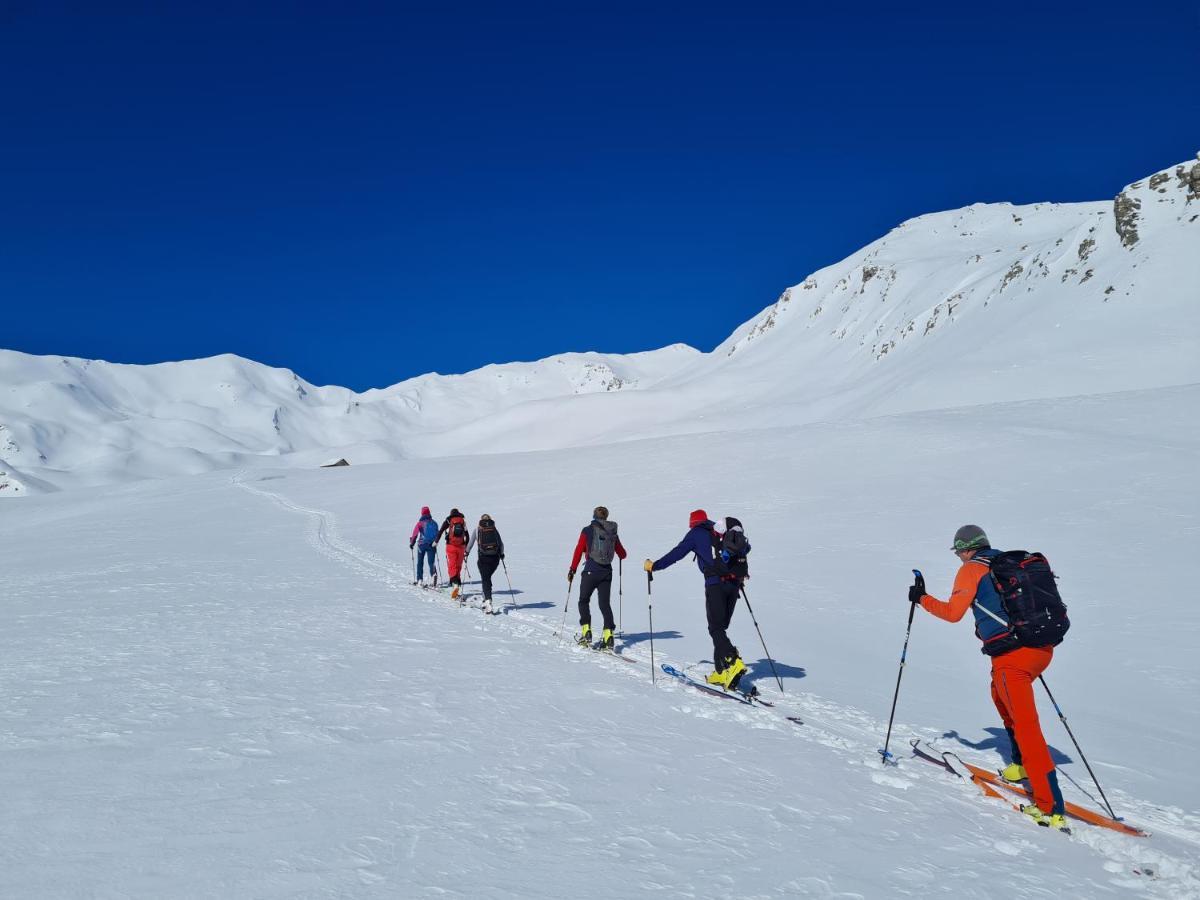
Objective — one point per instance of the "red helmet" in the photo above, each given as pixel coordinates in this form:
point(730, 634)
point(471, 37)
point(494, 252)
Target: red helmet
point(697, 517)
point(424, 510)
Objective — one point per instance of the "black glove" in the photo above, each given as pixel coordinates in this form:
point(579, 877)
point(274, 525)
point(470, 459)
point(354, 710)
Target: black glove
point(502, 556)
point(917, 591)
point(570, 574)
point(410, 544)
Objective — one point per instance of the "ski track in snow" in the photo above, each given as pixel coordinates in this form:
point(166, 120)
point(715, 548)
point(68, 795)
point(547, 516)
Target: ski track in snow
point(1136, 864)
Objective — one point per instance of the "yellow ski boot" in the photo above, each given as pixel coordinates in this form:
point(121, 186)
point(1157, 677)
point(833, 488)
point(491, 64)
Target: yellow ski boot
point(606, 639)
point(728, 677)
point(585, 636)
point(734, 672)
point(1013, 773)
point(1035, 812)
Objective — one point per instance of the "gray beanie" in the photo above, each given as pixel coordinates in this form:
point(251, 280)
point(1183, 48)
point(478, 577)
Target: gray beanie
point(970, 537)
point(601, 513)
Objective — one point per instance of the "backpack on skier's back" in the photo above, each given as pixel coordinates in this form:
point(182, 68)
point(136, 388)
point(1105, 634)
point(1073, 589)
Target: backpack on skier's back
point(602, 546)
point(488, 539)
point(457, 533)
point(733, 548)
point(734, 545)
point(429, 532)
point(1037, 616)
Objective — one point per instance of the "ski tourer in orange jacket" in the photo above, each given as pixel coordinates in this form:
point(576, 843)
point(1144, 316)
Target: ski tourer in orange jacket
point(1013, 673)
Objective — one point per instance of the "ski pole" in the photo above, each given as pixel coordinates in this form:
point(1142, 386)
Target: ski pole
point(509, 580)
point(563, 627)
point(467, 566)
point(621, 597)
point(413, 554)
point(1063, 718)
point(912, 608)
point(650, 608)
point(760, 637)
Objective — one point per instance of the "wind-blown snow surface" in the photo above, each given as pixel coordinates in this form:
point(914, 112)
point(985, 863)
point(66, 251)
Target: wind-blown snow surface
point(225, 686)
point(987, 303)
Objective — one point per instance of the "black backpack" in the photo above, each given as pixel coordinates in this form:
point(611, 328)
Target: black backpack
point(735, 545)
point(1037, 616)
point(488, 539)
point(730, 551)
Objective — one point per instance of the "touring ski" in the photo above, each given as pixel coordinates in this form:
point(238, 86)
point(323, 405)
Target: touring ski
point(988, 782)
point(748, 696)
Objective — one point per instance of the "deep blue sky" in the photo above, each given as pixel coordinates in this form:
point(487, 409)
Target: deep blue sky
point(364, 192)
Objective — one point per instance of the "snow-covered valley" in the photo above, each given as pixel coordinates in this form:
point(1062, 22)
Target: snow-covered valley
point(226, 686)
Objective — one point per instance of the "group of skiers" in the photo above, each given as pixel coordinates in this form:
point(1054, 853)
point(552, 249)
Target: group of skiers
point(1019, 616)
point(721, 558)
point(426, 535)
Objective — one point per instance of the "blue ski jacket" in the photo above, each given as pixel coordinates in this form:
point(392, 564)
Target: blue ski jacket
point(698, 540)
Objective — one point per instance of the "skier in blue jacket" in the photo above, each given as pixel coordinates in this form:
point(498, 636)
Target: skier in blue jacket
point(720, 594)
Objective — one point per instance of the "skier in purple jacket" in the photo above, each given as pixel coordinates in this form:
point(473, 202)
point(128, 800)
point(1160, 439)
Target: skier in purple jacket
point(424, 537)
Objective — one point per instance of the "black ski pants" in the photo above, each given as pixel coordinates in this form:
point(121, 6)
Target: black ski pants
point(487, 568)
point(719, 601)
point(601, 582)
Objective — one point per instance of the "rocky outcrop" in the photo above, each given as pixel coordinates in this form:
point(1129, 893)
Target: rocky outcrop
point(1126, 211)
point(1189, 179)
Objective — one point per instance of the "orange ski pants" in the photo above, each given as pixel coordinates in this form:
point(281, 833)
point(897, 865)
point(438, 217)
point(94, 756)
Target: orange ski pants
point(454, 561)
point(1013, 675)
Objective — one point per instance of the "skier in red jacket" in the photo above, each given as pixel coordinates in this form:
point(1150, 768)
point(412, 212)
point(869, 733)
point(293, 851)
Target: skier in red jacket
point(600, 542)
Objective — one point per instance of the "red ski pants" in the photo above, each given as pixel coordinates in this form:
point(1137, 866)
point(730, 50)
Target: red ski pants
point(1013, 675)
point(454, 561)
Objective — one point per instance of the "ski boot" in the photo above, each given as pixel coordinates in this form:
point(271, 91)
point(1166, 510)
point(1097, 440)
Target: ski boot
point(1057, 821)
point(1035, 812)
point(1013, 773)
point(487, 606)
point(729, 676)
point(734, 672)
point(585, 636)
point(606, 640)
point(454, 593)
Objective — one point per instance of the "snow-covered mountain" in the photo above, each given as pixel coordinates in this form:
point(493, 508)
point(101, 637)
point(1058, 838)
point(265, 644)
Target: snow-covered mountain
point(67, 421)
point(991, 302)
point(988, 303)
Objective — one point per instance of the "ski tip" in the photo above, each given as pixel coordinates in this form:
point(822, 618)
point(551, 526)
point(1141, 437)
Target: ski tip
point(670, 669)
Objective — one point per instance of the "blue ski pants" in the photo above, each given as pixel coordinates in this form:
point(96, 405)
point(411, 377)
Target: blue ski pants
point(422, 552)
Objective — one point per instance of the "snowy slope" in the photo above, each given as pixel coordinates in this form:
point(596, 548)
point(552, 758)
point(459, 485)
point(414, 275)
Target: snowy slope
point(987, 303)
point(225, 686)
